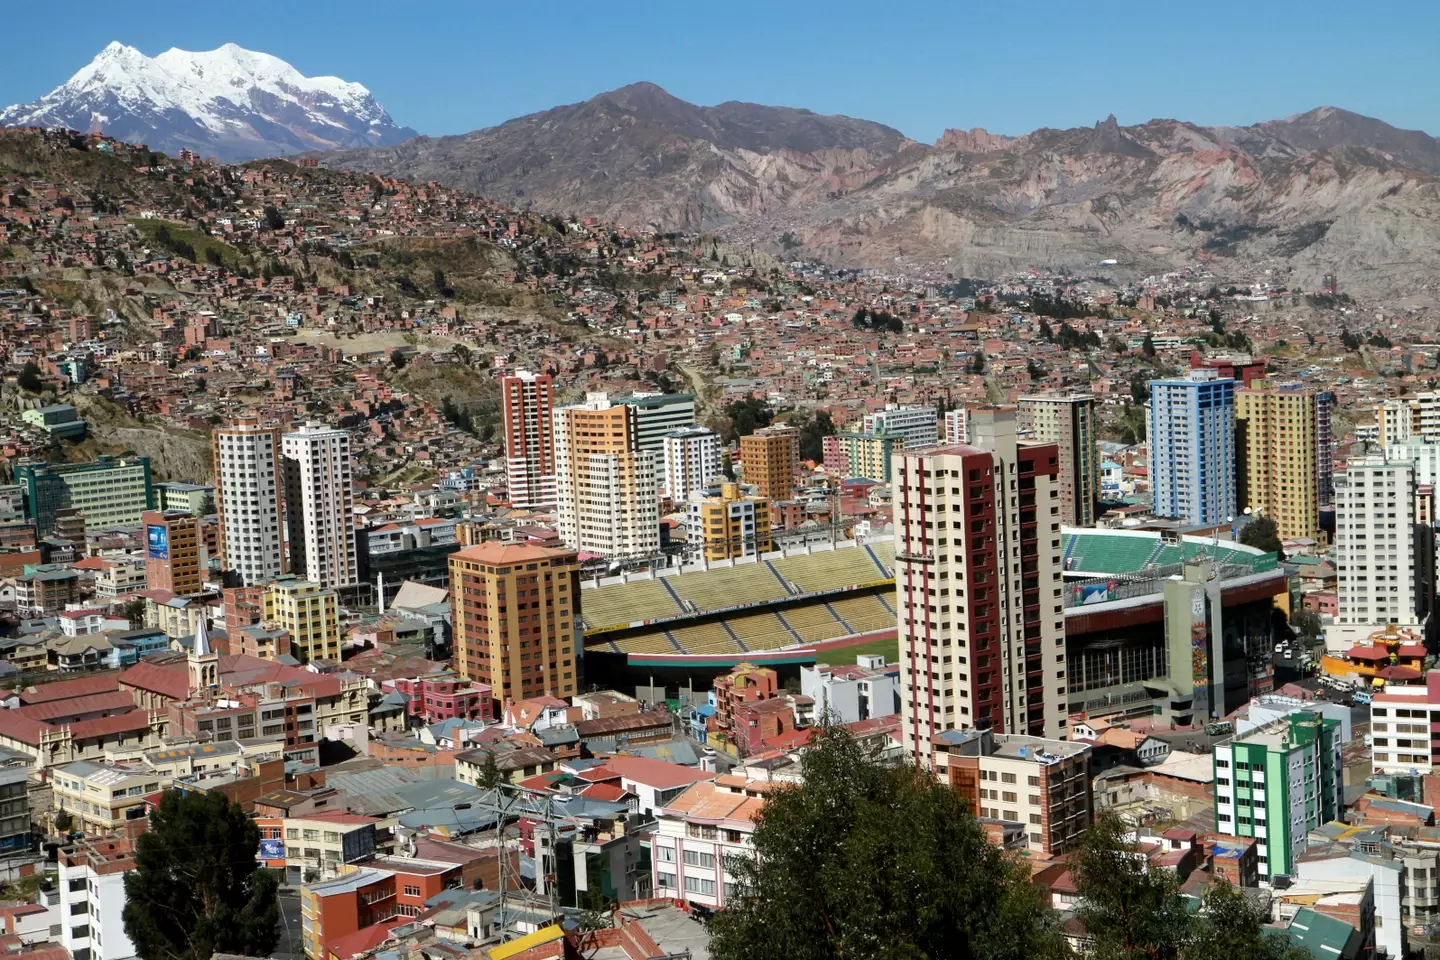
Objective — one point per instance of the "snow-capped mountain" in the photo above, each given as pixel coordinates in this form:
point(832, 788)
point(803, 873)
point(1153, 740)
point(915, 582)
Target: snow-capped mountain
point(229, 103)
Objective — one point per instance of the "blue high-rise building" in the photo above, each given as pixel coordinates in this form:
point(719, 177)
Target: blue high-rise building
point(1192, 448)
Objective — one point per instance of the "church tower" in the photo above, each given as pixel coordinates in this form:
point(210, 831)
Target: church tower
point(204, 661)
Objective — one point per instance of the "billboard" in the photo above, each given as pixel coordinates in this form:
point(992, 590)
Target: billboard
point(157, 542)
point(272, 849)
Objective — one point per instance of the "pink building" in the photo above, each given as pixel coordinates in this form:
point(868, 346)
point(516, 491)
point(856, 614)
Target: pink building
point(835, 460)
point(445, 697)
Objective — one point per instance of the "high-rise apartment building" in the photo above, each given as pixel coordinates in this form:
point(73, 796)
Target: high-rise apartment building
point(918, 426)
point(174, 553)
point(656, 415)
point(515, 611)
point(310, 613)
point(770, 458)
point(727, 525)
point(526, 409)
point(978, 583)
point(1192, 448)
point(605, 485)
point(692, 459)
point(320, 505)
point(1278, 783)
point(108, 491)
point(1069, 423)
point(1375, 549)
point(247, 499)
point(956, 426)
point(870, 455)
point(1284, 441)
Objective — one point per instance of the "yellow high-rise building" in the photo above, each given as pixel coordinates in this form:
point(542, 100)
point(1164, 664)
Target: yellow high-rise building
point(1284, 436)
point(309, 613)
point(728, 526)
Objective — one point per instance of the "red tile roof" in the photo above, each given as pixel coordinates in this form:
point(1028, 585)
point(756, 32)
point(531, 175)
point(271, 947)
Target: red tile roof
point(116, 701)
point(66, 689)
point(499, 553)
point(170, 680)
point(652, 773)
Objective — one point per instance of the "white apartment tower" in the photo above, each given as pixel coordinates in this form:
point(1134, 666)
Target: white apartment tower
point(605, 485)
point(956, 426)
point(978, 583)
point(1375, 544)
point(692, 460)
point(247, 499)
point(526, 409)
point(919, 426)
point(320, 505)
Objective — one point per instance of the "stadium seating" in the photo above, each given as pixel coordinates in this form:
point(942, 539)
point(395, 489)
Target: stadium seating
point(813, 622)
point(727, 586)
point(705, 638)
point(762, 631)
point(828, 569)
point(616, 604)
point(884, 553)
point(864, 614)
point(653, 642)
point(1109, 553)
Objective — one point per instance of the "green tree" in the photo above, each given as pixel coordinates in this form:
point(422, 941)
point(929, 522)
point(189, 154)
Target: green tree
point(1306, 623)
point(29, 379)
point(1262, 534)
point(197, 889)
point(1229, 927)
point(461, 353)
point(977, 362)
point(64, 822)
point(1139, 388)
point(273, 219)
point(397, 359)
point(135, 612)
point(813, 431)
point(745, 416)
point(490, 776)
point(867, 861)
point(1128, 910)
point(440, 285)
point(1148, 347)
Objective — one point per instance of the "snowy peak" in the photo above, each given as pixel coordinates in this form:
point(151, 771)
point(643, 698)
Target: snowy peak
point(233, 103)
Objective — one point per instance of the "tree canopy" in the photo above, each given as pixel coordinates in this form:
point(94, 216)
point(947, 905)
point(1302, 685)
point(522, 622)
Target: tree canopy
point(867, 860)
point(813, 431)
point(197, 889)
point(1262, 534)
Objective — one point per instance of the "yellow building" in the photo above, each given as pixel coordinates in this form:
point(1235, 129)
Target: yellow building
point(516, 611)
point(311, 615)
point(727, 526)
point(770, 458)
point(1283, 433)
point(101, 797)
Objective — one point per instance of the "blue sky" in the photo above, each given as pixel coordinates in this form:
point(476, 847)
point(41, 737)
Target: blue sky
point(447, 66)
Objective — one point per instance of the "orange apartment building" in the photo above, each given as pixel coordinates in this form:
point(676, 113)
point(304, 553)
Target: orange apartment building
point(172, 552)
point(375, 893)
point(515, 610)
point(770, 458)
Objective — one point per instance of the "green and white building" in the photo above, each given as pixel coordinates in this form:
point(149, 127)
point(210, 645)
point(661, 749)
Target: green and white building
point(1277, 783)
point(109, 491)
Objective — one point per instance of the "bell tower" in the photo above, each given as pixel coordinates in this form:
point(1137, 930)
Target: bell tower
point(204, 661)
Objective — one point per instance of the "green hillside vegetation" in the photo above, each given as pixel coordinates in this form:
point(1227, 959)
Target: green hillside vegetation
point(185, 241)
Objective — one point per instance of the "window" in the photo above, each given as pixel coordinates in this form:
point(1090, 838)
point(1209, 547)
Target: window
point(665, 880)
point(411, 891)
point(694, 858)
point(700, 885)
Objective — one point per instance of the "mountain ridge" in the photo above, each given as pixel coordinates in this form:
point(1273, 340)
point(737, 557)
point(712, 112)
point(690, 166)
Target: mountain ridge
point(232, 103)
point(1327, 190)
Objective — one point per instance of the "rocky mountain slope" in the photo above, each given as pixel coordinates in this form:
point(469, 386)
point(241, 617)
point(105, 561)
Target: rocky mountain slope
point(230, 103)
point(1323, 191)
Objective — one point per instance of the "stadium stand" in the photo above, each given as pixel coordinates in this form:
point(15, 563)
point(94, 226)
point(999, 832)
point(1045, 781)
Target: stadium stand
point(828, 570)
point(704, 638)
point(864, 613)
point(814, 623)
point(1109, 553)
point(763, 631)
point(623, 604)
point(727, 586)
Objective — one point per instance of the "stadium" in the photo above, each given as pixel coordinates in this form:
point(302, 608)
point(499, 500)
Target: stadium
point(685, 626)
